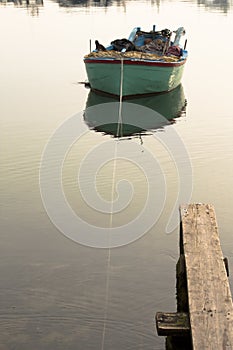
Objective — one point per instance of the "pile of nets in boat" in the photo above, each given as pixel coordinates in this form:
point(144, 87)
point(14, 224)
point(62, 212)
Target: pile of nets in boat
point(132, 54)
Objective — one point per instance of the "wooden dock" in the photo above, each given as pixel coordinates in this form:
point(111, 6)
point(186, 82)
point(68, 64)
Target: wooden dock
point(204, 310)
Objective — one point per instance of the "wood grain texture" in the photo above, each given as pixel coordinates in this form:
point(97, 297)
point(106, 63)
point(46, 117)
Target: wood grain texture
point(209, 295)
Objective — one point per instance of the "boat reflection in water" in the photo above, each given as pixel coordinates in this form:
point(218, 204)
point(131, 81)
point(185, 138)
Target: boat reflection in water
point(134, 117)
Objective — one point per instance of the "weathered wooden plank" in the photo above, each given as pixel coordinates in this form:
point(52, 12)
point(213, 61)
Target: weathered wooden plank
point(172, 323)
point(209, 295)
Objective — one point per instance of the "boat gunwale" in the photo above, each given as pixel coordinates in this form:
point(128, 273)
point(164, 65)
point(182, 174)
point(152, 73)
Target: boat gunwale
point(136, 62)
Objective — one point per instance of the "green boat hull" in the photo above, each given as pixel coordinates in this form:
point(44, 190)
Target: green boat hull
point(131, 78)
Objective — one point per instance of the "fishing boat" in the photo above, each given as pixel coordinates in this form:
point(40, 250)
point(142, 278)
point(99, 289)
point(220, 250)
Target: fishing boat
point(141, 116)
point(145, 63)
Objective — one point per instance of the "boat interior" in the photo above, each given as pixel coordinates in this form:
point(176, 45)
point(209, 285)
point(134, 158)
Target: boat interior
point(156, 45)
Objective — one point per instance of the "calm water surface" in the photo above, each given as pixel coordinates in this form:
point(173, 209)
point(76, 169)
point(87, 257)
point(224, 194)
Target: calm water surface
point(59, 294)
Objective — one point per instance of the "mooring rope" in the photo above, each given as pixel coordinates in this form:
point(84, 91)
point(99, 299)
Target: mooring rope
point(119, 124)
point(119, 134)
